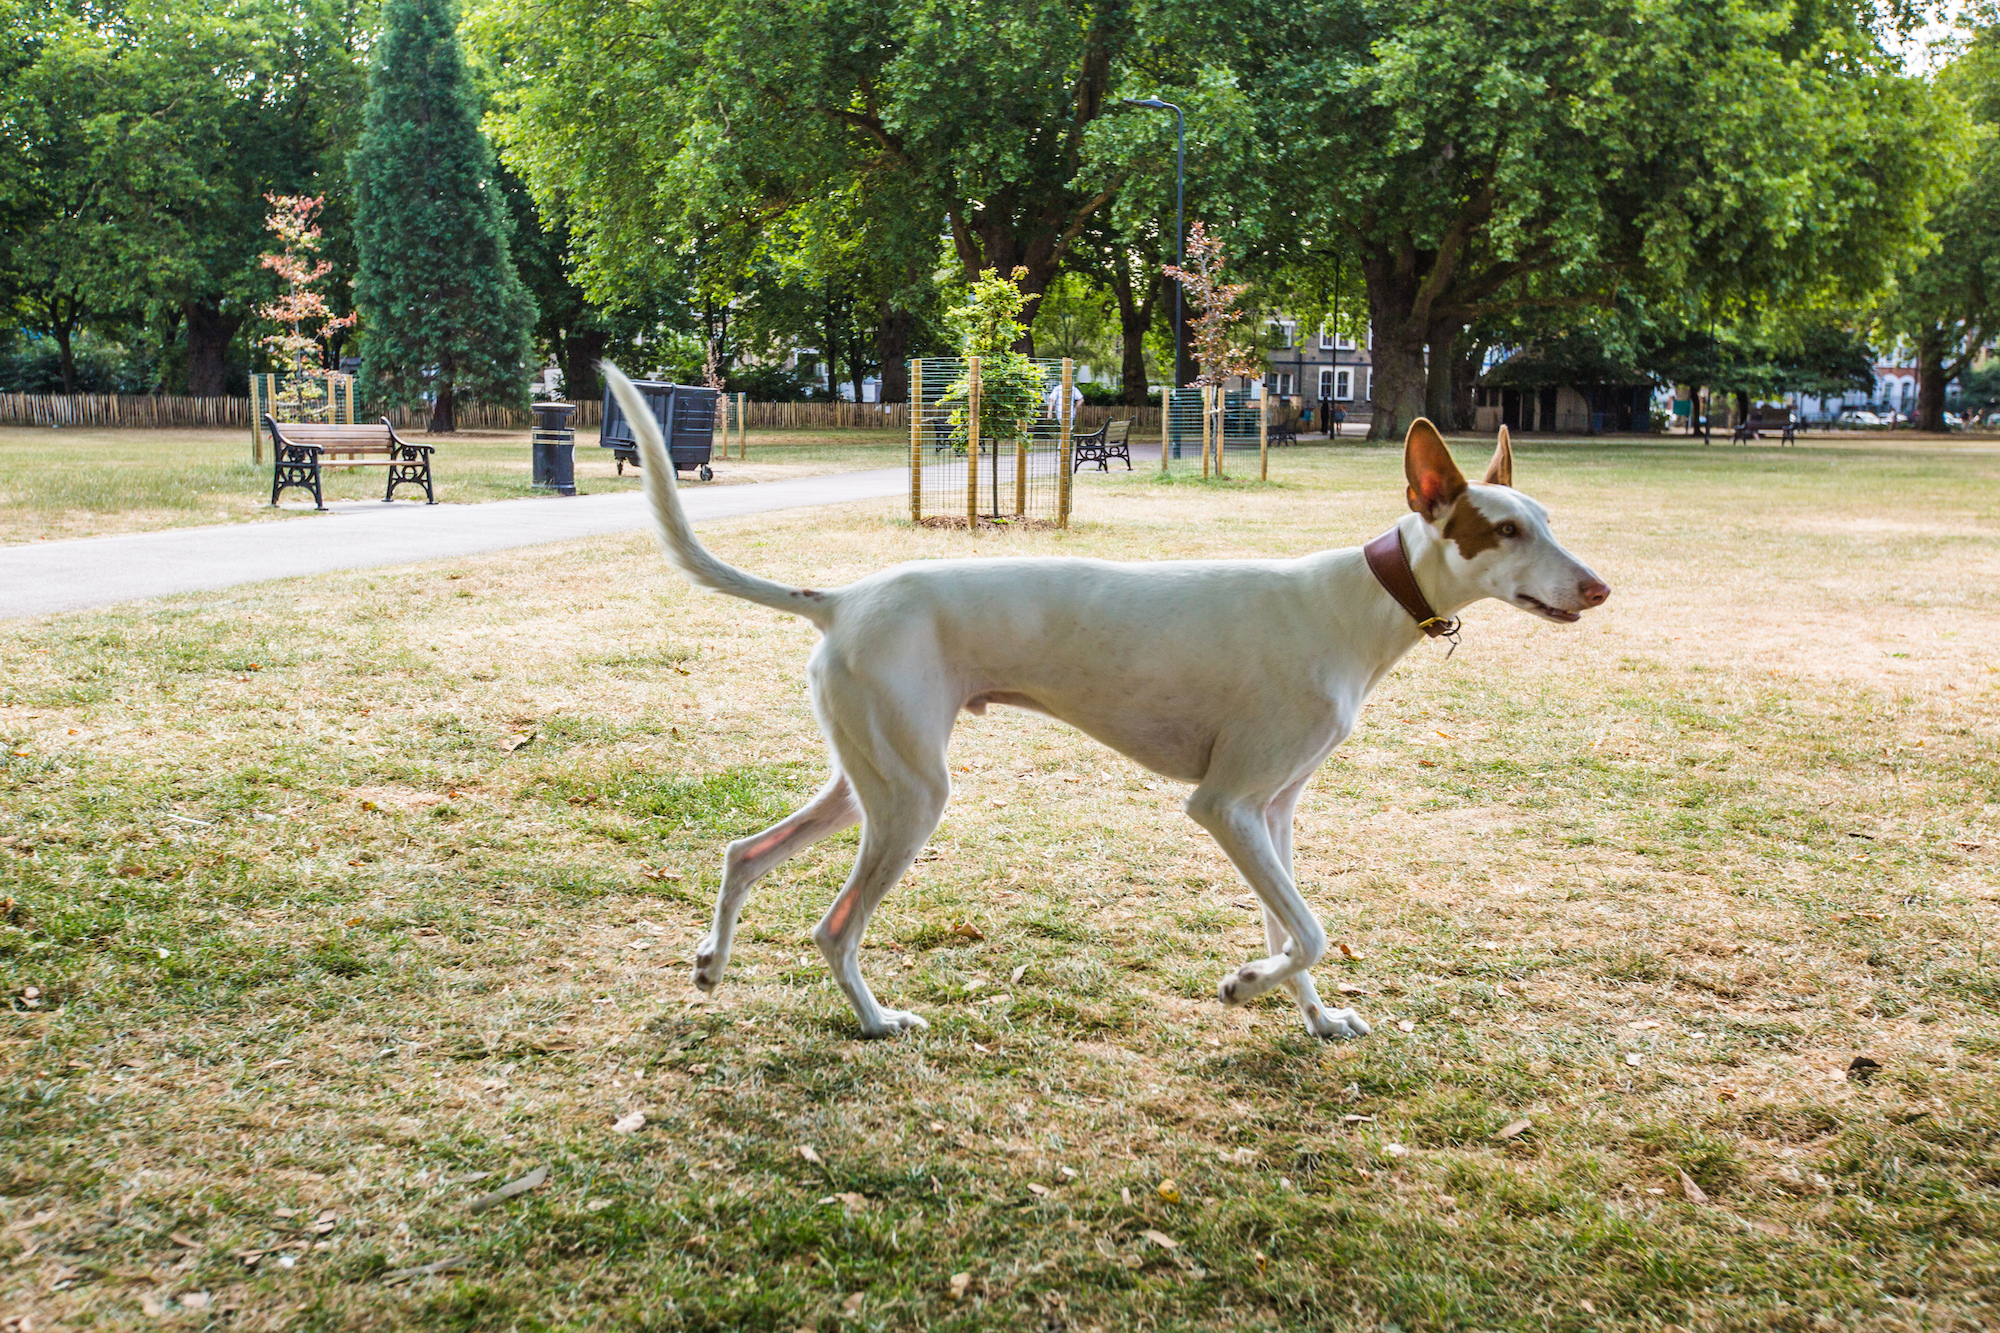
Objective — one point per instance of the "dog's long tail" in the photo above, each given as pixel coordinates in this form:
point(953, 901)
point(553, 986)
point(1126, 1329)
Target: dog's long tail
point(676, 535)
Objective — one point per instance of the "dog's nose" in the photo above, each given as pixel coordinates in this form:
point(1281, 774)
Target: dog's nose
point(1593, 591)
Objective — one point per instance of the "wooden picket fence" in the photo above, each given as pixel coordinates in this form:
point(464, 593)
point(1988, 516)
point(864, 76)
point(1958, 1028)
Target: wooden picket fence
point(165, 411)
point(129, 410)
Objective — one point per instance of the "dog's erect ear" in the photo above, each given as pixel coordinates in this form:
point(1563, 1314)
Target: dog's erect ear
point(1500, 472)
point(1435, 480)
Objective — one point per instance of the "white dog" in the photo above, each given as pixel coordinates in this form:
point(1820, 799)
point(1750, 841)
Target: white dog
point(1239, 676)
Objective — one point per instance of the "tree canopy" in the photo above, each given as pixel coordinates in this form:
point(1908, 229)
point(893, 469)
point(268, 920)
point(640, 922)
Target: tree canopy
point(1480, 160)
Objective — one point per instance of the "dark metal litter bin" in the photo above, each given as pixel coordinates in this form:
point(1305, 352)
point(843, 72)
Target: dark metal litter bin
point(686, 415)
point(554, 446)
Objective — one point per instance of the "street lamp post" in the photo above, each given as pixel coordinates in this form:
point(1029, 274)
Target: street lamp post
point(1180, 233)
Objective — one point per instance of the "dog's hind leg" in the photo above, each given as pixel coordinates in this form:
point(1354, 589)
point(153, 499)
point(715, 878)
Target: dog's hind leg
point(750, 859)
point(896, 764)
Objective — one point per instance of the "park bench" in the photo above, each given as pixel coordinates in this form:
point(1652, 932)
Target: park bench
point(1753, 426)
point(1111, 440)
point(1283, 428)
point(301, 449)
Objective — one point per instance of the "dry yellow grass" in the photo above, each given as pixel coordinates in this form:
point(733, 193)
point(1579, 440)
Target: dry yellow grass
point(308, 935)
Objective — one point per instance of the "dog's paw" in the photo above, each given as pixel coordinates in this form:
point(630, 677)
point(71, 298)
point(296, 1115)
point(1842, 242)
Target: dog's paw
point(1243, 985)
point(707, 967)
point(895, 1022)
point(1336, 1024)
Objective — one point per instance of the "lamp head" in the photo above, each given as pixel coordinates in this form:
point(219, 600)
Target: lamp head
point(1150, 103)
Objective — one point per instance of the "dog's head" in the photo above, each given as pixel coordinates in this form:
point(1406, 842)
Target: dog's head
point(1496, 539)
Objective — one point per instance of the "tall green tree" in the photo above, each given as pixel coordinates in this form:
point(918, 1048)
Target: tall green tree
point(1479, 159)
point(1946, 306)
point(969, 123)
point(444, 311)
point(142, 138)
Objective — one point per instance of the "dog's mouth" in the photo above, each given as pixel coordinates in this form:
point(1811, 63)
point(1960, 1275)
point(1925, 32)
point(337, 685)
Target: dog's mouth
point(1545, 611)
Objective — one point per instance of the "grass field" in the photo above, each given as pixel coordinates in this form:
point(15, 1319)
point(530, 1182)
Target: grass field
point(334, 905)
point(90, 483)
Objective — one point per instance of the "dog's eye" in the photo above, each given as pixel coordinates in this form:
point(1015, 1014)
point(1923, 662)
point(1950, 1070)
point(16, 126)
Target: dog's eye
point(1509, 529)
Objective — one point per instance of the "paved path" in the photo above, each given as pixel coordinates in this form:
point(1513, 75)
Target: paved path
point(68, 576)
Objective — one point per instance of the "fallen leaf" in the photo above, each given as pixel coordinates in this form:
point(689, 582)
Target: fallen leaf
point(1348, 988)
point(1405, 1025)
point(851, 1200)
point(1345, 951)
point(513, 743)
point(1037, 1188)
point(1015, 978)
point(629, 1124)
point(184, 1241)
point(1395, 1150)
point(293, 1212)
point(806, 1151)
point(151, 1305)
point(1587, 1307)
point(1169, 1191)
point(959, 1283)
point(509, 1190)
point(965, 930)
point(1693, 1191)
point(1357, 1120)
point(194, 1300)
point(1426, 763)
point(853, 1303)
point(1161, 1239)
point(1632, 1058)
point(1515, 1129)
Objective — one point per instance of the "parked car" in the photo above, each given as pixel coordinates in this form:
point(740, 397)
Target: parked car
point(1861, 417)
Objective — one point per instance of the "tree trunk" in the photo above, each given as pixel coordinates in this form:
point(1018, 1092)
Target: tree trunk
point(1467, 354)
point(892, 349)
point(581, 351)
point(1441, 378)
point(209, 332)
point(444, 417)
point(1932, 377)
point(1398, 383)
point(1135, 321)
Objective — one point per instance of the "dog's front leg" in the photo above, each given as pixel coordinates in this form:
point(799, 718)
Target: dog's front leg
point(1237, 822)
point(1320, 1020)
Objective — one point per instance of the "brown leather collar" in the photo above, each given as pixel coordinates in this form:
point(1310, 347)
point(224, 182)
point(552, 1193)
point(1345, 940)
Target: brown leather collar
point(1390, 564)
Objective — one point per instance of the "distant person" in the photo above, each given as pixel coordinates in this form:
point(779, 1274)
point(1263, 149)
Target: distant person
point(1052, 401)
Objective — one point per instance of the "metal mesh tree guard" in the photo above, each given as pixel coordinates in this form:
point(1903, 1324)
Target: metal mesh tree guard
point(968, 466)
point(1204, 422)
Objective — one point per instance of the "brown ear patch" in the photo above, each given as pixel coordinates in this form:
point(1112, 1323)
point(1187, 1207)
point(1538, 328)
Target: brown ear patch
point(1472, 530)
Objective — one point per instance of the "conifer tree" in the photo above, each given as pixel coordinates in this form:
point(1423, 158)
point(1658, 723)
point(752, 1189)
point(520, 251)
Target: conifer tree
point(443, 310)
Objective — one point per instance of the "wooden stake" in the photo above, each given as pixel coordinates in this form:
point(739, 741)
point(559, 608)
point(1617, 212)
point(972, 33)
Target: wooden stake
point(742, 427)
point(1264, 433)
point(916, 440)
point(1205, 424)
point(972, 445)
point(1068, 419)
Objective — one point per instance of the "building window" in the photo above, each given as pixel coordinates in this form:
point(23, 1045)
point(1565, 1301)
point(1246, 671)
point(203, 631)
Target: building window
point(1325, 339)
point(1281, 334)
point(1282, 383)
point(1326, 382)
point(1343, 385)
